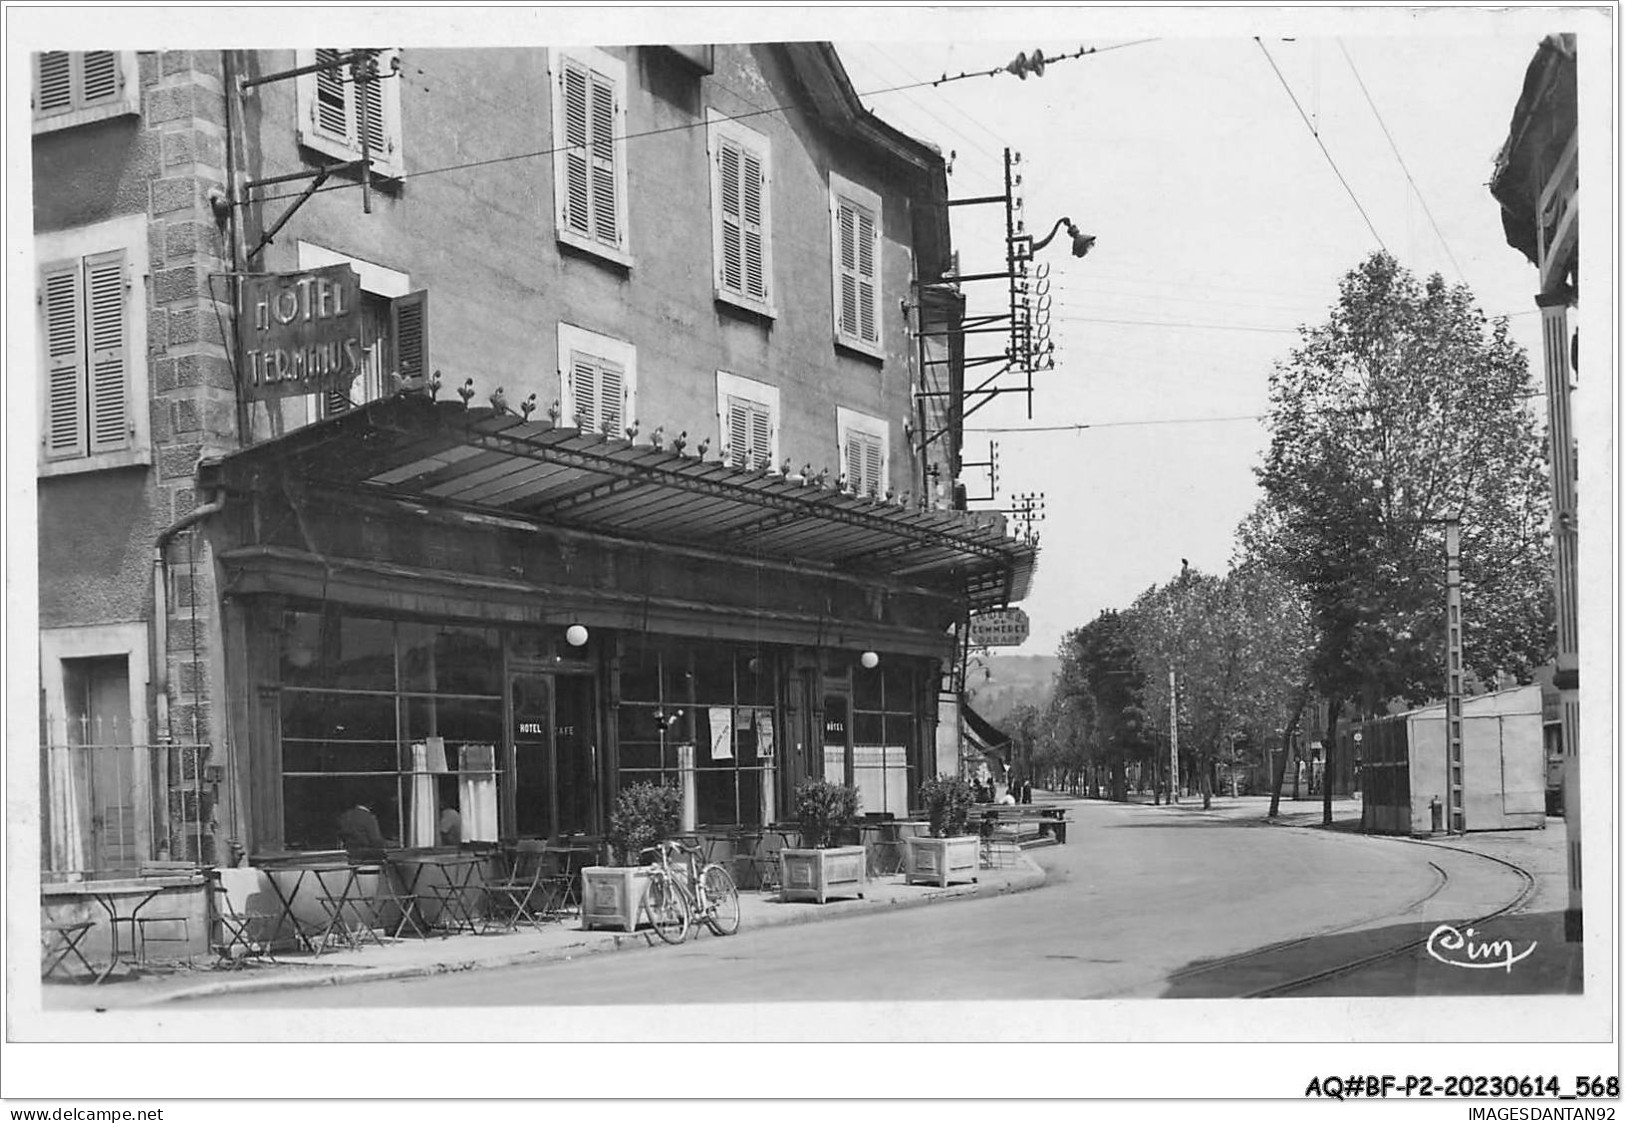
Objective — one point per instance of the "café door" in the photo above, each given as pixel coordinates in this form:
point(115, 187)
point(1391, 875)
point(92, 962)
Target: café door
point(555, 739)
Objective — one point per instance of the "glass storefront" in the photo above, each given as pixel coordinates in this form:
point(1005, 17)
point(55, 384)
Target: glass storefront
point(716, 700)
point(364, 705)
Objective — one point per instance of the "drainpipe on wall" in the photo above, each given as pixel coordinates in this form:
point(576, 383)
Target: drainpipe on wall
point(160, 609)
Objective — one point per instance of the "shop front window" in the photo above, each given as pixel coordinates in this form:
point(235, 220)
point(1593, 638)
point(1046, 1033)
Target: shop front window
point(402, 717)
point(883, 736)
point(720, 700)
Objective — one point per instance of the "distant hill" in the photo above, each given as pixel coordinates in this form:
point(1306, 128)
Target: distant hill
point(1012, 680)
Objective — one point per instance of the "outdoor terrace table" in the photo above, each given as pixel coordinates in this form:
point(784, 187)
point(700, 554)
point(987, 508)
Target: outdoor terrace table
point(299, 863)
point(456, 912)
point(131, 893)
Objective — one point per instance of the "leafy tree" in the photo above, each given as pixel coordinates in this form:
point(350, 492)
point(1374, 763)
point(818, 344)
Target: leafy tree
point(1404, 408)
point(1097, 662)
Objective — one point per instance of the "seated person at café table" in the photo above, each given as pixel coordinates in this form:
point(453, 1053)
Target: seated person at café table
point(358, 830)
point(450, 825)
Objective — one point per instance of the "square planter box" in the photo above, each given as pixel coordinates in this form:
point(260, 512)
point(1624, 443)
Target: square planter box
point(937, 861)
point(817, 875)
point(612, 896)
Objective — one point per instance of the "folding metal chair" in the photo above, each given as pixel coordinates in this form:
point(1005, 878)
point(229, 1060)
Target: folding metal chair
point(60, 939)
point(239, 931)
point(174, 928)
point(511, 900)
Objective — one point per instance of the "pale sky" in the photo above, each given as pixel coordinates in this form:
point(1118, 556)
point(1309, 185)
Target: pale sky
point(1221, 226)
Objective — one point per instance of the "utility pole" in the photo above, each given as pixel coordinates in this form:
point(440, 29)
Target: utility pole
point(1173, 736)
point(1452, 600)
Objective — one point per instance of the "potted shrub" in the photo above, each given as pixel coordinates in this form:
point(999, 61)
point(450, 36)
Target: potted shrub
point(611, 896)
point(820, 868)
point(951, 853)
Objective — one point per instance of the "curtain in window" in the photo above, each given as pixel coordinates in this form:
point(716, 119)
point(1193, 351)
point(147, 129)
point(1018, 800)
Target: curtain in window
point(420, 826)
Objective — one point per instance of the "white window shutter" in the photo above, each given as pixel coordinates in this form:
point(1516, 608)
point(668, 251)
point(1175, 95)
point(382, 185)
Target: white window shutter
point(62, 308)
point(738, 431)
point(854, 460)
point(332, 109)
point(611, 397)
point(370, 117)
point(109, 346)
point(752, 232)
point(577, 207)
point(847, 232)
point(584, 391)
point(867, 281)
point(100, 81)
point(871, 468)
point(53, 90)
point(761, 435)
point(605, 190)
point(728, 173)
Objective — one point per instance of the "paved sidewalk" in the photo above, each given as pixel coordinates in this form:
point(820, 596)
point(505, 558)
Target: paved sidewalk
point(561, 940)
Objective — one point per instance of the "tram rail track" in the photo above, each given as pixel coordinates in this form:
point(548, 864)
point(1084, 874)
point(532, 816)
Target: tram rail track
point(1525, 892)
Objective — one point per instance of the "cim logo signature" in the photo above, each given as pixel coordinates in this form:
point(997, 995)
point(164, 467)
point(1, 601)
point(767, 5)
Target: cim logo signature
point(1459, 949)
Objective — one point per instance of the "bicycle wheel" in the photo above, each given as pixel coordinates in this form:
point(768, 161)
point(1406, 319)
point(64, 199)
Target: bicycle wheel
point(667, 910)
point(721, 899)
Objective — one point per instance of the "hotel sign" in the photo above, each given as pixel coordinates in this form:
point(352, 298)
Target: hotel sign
point(300, 332)
point(1005, 628)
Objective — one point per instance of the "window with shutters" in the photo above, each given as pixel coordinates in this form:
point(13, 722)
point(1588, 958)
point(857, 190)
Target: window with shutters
point(589, 151)
point(76, 87)
point(741, 237)
point(336, 111)
point(855, 264)
point(394, 333)
point(92, 332)
point(864, 460)
point(747, 422)
point(597, 381)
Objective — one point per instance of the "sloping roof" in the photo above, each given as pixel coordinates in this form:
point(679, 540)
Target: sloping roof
point(443, 453)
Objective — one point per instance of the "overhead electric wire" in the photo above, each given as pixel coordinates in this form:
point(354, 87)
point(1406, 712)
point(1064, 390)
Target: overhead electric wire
point(1316, 134)
point(541, 152)
point(1427, 210)
point(1079, 426)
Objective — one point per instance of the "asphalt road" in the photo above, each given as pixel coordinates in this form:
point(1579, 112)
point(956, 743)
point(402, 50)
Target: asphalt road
point(1139, 903)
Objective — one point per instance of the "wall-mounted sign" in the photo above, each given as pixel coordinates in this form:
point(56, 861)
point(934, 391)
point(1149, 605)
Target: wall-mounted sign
point(1006, 627)
point(300, 332)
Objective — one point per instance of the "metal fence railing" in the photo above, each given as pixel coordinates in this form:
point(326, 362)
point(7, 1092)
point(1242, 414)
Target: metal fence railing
point(109, 808)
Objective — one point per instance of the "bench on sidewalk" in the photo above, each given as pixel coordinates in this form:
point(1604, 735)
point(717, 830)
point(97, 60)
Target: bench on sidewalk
point(1050, 822)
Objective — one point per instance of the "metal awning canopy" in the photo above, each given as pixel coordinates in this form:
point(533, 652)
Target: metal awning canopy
point(443, 453)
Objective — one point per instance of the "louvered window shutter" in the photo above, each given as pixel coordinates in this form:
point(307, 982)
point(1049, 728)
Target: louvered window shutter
point(409, 331)
point(738, 431)
point(62, 307)
point(854, 461)
point(728, 172)
point(331, 112)
point(54, 88)
point(868, 287)
point(370, 114)
point(751, 226)
point(847, 232)
point(109, 339)
point(584, 391)
point(101, 77)
point(611, 396)
point(605, 215)
point(761, 435)
point(871, 468)
point(577, 198)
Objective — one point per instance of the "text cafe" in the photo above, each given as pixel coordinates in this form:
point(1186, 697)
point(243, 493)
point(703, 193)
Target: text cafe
point(301, 332)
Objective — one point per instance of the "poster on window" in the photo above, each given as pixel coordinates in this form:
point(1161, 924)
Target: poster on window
point(722, 733)
point(764, 733)
point(436, 750)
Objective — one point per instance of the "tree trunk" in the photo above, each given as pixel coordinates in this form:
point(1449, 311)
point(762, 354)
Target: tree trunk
point(1326, 763)
point(1291, 727)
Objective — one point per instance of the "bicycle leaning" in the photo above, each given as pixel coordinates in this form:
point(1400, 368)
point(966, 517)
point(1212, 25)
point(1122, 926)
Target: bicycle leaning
point(683, 892)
